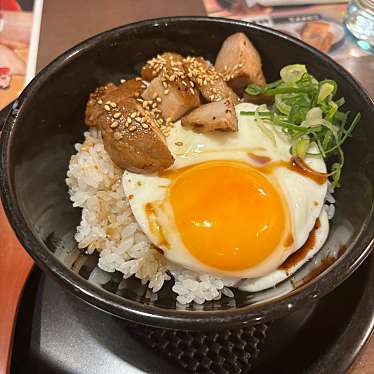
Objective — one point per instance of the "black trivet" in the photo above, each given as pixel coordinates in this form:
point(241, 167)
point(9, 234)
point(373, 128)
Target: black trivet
point(57, 333)
point(219, 352)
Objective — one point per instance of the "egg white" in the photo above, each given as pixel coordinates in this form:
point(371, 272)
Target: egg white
point(303, 196)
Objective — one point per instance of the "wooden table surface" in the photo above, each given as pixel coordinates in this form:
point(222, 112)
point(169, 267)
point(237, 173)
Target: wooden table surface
point(61, 29)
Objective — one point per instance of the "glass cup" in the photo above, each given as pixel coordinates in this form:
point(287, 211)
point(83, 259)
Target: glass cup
point(359, 23)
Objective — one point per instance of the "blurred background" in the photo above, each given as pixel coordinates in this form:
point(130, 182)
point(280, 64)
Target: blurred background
point(52, 26)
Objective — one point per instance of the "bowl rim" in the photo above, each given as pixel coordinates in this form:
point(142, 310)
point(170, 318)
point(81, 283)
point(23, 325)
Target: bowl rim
point(149, 314)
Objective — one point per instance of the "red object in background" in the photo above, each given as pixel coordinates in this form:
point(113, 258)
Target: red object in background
point(5, 77)
point(9, 5)
point(4, 70)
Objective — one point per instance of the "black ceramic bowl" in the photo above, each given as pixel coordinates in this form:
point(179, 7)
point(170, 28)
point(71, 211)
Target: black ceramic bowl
point(47, 120)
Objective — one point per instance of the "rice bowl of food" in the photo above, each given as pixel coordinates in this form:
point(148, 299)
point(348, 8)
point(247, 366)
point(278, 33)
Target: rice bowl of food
point(196, 182)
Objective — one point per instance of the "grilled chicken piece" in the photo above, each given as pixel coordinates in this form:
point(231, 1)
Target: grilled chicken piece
point(111, 93)
point(218, 115)
point(93, 108)
point(210, 83)
point(239, 63)
point(162, 63)
point(174, 96)
point(132, 138)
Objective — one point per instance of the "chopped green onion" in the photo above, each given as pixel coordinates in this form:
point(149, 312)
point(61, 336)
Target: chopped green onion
point(281, 105)
point(305, 110)
point(302, 147)
point(292, 73)
point(262, 114)
point(266, 131)
point(336, 169)
point(325, 90)
point(340, 102)
point(347, 133)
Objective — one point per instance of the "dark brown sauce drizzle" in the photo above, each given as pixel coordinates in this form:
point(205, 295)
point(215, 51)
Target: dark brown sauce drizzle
point(149, 210)
point(259, 159)
point(325, 263)
point(298, 166)
point(300, 254)
point(266, 166)
point(289, 240)
point(153, 224)
point(343, 248)
point(158, 249)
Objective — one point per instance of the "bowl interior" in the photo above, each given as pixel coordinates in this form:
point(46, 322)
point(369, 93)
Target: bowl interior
point(50, 121)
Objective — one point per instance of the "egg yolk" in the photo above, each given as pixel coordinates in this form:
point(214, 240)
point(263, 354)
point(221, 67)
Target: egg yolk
point(229, 215)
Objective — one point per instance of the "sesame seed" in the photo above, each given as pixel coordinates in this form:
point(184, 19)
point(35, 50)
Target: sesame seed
point(138, 79)
point(132, 128)
point(145, 126)
point(168, 119)
point(192, 91)
point(128, 120)
point(117, 135)
point(139, 100)
point(166, 92)
point(113, 105)
point(158, 99)
point(133, 115)
point(100, 101)
point(117, 115)
point(107, 108)
point(137, 119)
point(154, 105)
point(192, 84)
point(114, 124)
point(123, 80)
point(154, 95)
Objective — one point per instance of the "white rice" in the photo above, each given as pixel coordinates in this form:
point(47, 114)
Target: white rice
point(108, 226)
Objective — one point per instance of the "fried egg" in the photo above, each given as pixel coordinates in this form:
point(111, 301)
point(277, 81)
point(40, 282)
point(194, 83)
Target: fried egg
point(316, 239)
point(232, 204)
